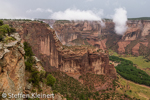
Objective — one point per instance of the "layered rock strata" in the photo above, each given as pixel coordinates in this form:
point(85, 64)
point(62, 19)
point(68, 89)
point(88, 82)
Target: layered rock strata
point(55, 56)
point(92, 33)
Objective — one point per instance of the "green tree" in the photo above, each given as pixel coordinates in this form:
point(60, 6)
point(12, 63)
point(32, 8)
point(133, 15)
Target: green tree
point(35, 78)
point(50, 80)
point(5, 28)
point(12, 30)
point(28, 66)
point(1, 22)
point(28, 49)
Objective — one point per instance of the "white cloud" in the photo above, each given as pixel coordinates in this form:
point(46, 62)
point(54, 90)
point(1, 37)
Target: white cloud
point(49, 10)
point(39, 10)
point(76, 14)
point(120, 19)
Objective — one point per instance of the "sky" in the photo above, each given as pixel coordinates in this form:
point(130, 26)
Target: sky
point(72, 9)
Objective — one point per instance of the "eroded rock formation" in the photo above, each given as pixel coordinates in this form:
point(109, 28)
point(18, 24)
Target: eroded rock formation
point(54, 55)
point(92, 33)
point(13, 76)
point(12, 67)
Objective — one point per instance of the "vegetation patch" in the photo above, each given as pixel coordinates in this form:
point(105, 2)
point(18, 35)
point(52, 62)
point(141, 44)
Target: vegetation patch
point(71, 88)
point(143, 50)
point(35, 76)
point(112, 41)
point(140, 61)
point(133, 90)
point(62, 21)
point(50, 80)
point(129, 72)
point(4, 28)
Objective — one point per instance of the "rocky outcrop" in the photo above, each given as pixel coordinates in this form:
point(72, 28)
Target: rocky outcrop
point(12, 67)
point(138, 33)
point(13, 76)
point(55, 56)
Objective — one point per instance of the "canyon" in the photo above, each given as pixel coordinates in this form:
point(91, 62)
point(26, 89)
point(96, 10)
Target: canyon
point(81, 46)
point(135, 40)
point(56, 56)
point(76, 48)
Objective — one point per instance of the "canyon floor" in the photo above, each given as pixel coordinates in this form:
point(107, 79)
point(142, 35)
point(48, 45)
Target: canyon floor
point(130, 88)
point(140, 62)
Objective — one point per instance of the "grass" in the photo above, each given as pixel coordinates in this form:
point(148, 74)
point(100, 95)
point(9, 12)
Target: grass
point(139, 61)
point(139, 91)
point(9, 39)
point(72, 89)
point(113, 53)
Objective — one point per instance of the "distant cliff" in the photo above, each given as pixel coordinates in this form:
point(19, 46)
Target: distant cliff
point(55, 56)
point(135, 41)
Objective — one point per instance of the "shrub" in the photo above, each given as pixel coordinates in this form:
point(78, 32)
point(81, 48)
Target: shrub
point(9, 38)
point(42, 75)
point(30, 60)
point(125, 95)
point(107, 96)
point(55, 92)
point(28, 66)
point(39, 89)
point(50, 80)
point(33, 91)
point(80, 77)
point(97, 93)
point(12, 30)
point(1, 22)
point(28, 49)
point(1, 37)
point(35, 78)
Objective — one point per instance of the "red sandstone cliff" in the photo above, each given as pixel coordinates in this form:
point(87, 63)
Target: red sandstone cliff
point(72, 59)
point(136, 38)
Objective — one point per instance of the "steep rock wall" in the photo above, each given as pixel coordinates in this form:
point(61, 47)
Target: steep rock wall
point(40, 38)
point(54, 55)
